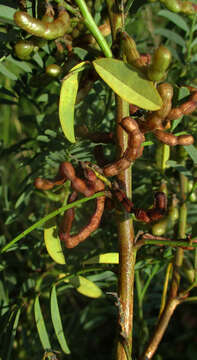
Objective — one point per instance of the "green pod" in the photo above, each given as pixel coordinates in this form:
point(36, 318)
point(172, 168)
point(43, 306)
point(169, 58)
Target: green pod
point(188, 270)
point(53, 70)
point(24, 49)
point(159, 228)
point(48, 31)
point(129, 49)
point(160, 62)
point(172, 5)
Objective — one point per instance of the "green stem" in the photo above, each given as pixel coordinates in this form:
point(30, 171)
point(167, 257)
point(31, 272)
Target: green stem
point(93, 28)
point(168, 243)
point(48, 217)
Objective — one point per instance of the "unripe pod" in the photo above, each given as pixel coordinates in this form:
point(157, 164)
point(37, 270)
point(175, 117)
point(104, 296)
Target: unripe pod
point(172, 5)
point(53, 70)
point(41, 29)
point(159, 228)
point(160, 62)
point(24, 48)
point(188, 270)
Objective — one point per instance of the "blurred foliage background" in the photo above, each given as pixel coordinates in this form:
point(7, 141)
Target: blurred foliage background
point(32, 144)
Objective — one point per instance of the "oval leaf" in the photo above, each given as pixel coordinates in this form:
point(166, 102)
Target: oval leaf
point(53, 245)
point(68, 95)
point(107, 258)
point(57, 323)
point(41, 325)
point(128, 83)
point(86, 287)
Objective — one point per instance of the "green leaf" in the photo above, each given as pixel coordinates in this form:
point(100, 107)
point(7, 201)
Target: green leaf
point(57, 323)
point(13, 334)
point(192, 151)
point(53, 244)
point(128, 83)
point(41, 325)
point(107, 258)
point(86, 287)
point(68, 95)
point(175, 18)
point(7, 73)
point(7, 13)
point(171, 35)
point(21, 64)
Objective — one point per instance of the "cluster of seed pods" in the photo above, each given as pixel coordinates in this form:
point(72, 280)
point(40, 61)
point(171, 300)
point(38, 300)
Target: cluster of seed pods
point(87, 186)
point(156, 122)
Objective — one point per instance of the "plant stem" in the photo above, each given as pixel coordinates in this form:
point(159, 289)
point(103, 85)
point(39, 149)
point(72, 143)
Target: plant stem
point(160, 329)
point(125, 225)
point(173, 299)
point(48, 217)
point(93, 28)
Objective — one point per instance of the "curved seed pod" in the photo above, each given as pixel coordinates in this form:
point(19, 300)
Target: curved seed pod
point(166, 138)
point(160, 62)
point(43, 184)
point(115, 168)
point(154, 214)
point(156, 119)
point(24, 49)
point(41, 29)
point(53, 70)
point(69, 216)
point(172, 140)
point(174, 114)
point(72, 241)
point(66, 170)
point(188, 107)
point(166, 92)
point(185, 140)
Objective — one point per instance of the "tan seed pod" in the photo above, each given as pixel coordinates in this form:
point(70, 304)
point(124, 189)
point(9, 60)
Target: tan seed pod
point(166, 138)
point(185, 140)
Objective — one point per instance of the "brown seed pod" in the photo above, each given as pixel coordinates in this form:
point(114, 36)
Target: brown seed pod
point(172, 140)
point(133, 151)
point(155, 120)
point(72, 241)
point(154, 214)
point(115, 168)
point(43, 184)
